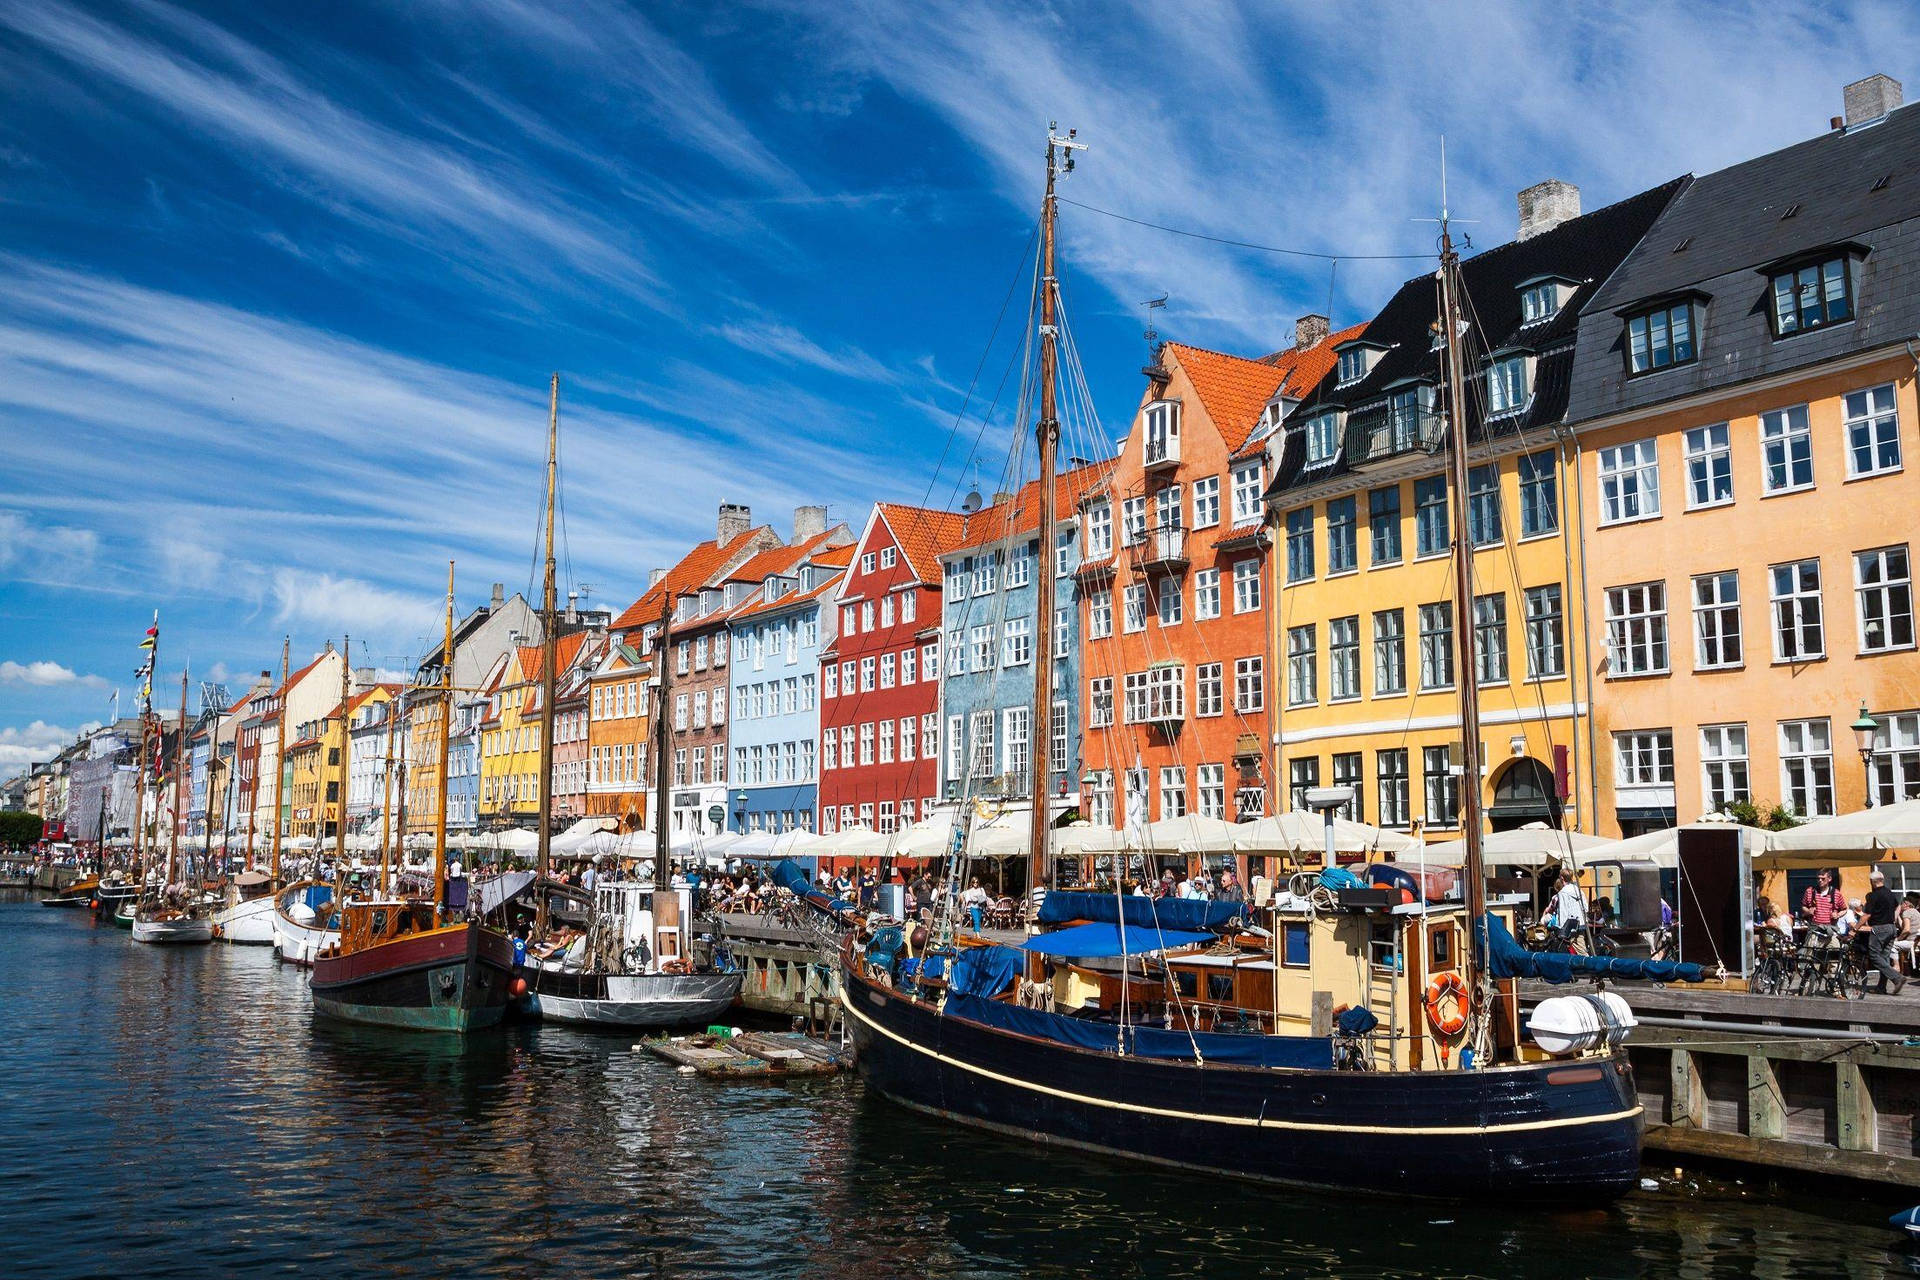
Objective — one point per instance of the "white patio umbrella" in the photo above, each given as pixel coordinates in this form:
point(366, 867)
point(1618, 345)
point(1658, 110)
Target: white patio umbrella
point(1305, 834)
point(1190, 833)
point(517, 841)
point(1877, 830)
point(854, 842)
point(1528, 846)
point(582, 835)
point(755, 844)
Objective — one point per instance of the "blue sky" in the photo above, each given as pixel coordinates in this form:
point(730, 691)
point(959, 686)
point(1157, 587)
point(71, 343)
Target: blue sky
point(281, 285)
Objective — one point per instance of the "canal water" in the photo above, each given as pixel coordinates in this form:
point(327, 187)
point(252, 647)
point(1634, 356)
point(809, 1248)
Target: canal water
point(180, 1113)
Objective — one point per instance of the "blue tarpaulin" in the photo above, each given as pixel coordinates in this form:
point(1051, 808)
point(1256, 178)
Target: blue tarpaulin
point(986, 971)
point(1506, 958)
point(791, 876)
point(1086, 940)
point(1309, 1052)
point(1062, 905)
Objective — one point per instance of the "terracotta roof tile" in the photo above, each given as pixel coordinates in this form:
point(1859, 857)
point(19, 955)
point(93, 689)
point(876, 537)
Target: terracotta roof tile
point(1021, 513)
point(1235, 390)
point(565, 650)
point(835, 557)
point(924, 535)
point(694, 569)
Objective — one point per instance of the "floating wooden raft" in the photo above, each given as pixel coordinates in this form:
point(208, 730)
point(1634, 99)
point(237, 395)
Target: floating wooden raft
point(752, 1055)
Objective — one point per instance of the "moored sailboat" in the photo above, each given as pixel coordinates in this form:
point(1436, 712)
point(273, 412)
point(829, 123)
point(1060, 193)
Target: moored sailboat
point(175, 911)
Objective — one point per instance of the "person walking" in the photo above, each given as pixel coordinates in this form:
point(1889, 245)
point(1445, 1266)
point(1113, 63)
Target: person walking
point(1882, 909)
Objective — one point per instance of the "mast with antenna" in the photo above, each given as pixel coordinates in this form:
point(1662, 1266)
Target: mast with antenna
point(280, 755)
point(179, 747)
point(446, 733)
point(549, 649)
point(1047, 433)
point(346, 739)
point(152, 645)
point(662, 670)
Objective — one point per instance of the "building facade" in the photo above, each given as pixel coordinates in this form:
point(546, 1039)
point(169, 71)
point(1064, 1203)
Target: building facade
point(619, 743)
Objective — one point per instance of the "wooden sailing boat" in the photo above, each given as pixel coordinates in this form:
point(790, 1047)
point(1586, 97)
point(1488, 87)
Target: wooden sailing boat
point(246, 917)
point(630, 968)
point(414, 963)
point(176, 911)
point(304, 918)
point(1375, 1099)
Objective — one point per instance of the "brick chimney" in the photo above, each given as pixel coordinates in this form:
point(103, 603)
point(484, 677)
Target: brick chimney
point(1310, 331)
point(654, 576)
point(1870, 99)
point(808, 522)
point(734, 521)
point(499, 596)
point(1546, 205)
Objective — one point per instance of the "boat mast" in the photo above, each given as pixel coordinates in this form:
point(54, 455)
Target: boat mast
point(179, 746)
point(226, 792)
point(152, 646)
point(279, 756)
point(1468, 679)
point(446, 732)
point(662, 667)
point(386, 798)
point(549, 648)
point(1040, 740)
point(346, 740)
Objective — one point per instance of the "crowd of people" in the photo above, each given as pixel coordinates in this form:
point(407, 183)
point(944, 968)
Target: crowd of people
point(1885, 923)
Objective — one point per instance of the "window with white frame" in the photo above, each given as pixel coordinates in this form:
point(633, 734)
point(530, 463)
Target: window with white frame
point(1100, 799)
point(1133, 520)
point(1637, 629)
point(1168, 603)
point(1062, 554)
point(1133, 608)
point(909, 734)
point(1390, 775)
point(1161, 421)
point(1539, 302)
point(1249, 685)
point(1348, 772)
point(1323, 438)
point(1166, 507)
point(1206, 595)
point(1100, 702)
point(1206, 502)
point(889, 556)
point(1643, 758)
point(866, 743)
point(1436, 645)
point(1629, 482)
point(956, 586)
point(1786, 450)
point(1507, 389)
point(1303, 681)
point(1799, 631)
point(867, 562)
point(1062, 633)
point(1249, 481)
point(1155, 696)
point(1016, 726)
point(1389, 652)
point(1716, 621)
point(983, 746)
point(956, 745)
point(1099, 616)
point(1019, 569)
point(1806, 767)
point(886, 611)
point(1016, 642)
point(1351, 365)
point(1173, 791)
point(1873, 431)
point(909, 609)
point(1709, 466)
point(956, 655)
point(1883, 583)
point(1896, 758)
point(1723, 766)
point(1058, 740)
point(1546, 632)
point(886, 671)
point(1246, 586)
point(1490, 637)
point(986, 573)
point(1099, 525)
point(866, 624)
point(1209, 689)
point(1343, 658)
point(1211, 794)
point(867, 671)
point(1442, 787)
point(980, 641)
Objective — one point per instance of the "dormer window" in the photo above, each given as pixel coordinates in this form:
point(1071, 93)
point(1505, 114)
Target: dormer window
point(1352, 365)
point(1811, 295)
point(1161, 421)
point(1323, 438)
point(1663, 336)
point(1509, 383)
point(1542, 297)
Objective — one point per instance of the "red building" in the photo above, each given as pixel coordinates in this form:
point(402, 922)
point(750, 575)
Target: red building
point(880, 676)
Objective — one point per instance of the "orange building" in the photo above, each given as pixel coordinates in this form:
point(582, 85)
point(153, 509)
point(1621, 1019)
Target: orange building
point(1176, 673)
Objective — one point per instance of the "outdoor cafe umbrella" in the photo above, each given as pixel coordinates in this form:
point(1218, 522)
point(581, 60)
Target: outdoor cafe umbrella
point(1305, 834)
point(1530, 846)
point(1868, 831)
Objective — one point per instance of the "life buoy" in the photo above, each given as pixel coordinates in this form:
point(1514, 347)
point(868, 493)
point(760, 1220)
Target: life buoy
point(1446, 985)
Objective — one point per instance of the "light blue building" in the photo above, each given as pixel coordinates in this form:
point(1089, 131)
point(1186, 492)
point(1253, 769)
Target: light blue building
point(773, 682)
point(463, 764)
point(989, 596)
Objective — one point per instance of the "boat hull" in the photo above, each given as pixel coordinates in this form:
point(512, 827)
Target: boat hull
point(78, 894)
point(1563, 1132)
point(632, 1000)
point(247, 923)
point(452, 979)
point(187, 930)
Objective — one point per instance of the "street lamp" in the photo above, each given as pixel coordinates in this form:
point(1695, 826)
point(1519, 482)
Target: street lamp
point(1865, 729)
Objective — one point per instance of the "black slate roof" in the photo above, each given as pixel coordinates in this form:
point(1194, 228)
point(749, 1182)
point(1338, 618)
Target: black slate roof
point(1585, 250)
point(1714, 237)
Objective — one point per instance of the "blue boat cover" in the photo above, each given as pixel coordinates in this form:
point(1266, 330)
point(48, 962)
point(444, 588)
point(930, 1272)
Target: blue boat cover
point(1062, 905)
point(1086, 940)
point(917, 967)
point(986, 971)
point(791, 876)
point(1508, 959)
point(1307, 1052)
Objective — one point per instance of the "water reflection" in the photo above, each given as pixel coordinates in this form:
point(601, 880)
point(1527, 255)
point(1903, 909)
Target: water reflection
point(182, 1113)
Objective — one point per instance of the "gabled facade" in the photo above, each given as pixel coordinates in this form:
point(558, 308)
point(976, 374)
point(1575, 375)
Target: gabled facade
point(1366, 638)
point(879, 675)
point(1174, 685)
point(376, 760)
point(990, 585)
point(619, 694)
point(479, 641)
point(1744, 405)
point(777, 634)
point(310, 692)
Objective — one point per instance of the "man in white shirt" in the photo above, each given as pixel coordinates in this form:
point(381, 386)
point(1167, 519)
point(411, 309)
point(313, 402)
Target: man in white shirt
point(975, 901)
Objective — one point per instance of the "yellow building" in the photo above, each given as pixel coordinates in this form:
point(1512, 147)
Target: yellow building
point(425, 724)
point(1366, 643)
point(510, 742)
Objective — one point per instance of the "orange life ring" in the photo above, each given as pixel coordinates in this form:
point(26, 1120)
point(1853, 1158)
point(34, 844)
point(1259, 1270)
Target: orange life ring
point(1445, 985)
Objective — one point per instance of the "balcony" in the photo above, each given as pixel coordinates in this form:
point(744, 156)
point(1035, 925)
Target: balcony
point(1161, 450)
point(1374, 440)
point(1162, 550)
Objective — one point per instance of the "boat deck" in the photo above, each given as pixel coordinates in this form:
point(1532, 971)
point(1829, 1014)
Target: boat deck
point(754, 1055)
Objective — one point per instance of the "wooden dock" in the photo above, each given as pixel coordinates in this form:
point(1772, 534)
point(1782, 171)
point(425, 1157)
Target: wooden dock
point(752, 1055)
point(1792, 1083)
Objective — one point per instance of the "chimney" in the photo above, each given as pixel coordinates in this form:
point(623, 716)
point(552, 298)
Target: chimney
point(734, 521)
point(1546, 205)
point(499, 596)
point(654, 576)
point(573, 607)
point(1000, 496)
point(1870, 99)
point(808, 522)
point(1310, 331)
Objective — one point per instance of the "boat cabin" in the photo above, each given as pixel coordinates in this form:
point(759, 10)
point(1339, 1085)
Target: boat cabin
point(368, 924)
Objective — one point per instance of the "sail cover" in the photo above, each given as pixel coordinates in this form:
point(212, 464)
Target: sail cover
point(1062, 905)
point(986, 971)
point(1090, 940)
point(1310, 1052)
point(1508, 959)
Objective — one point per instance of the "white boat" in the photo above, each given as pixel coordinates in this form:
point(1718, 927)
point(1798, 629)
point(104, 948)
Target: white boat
point(247, 919)
point(630, 968)
point(181, 929)
point(300, 918)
